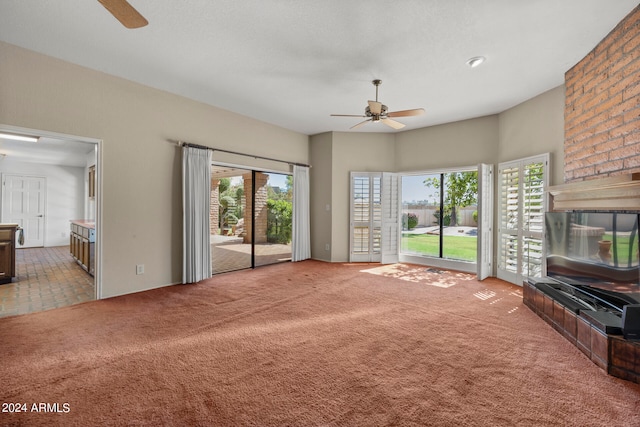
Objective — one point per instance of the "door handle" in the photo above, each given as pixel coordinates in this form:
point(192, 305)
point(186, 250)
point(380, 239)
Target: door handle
point(40, 216)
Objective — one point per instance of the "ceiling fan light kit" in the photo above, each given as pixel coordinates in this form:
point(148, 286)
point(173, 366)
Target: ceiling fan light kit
point(378, 112)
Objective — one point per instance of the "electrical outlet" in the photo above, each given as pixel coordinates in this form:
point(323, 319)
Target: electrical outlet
point(140, 269)
point(327, 247)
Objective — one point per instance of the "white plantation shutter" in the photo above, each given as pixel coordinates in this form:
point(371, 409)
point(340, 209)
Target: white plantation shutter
point(390, 206)
point(485, 221)
point(534, 206)
point(522, 205)
point(366, 217)
point(508, 223)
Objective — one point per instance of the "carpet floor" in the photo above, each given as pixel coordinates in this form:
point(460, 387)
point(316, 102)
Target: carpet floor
point(306, 344)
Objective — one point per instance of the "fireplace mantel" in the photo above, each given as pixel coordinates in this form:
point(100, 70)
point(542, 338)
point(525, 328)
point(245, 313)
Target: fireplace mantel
point(617, 193)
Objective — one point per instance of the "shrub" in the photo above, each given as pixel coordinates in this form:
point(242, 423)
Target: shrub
point(409, 221)
point(475, 216)
point(447, 217)
point(279, 217)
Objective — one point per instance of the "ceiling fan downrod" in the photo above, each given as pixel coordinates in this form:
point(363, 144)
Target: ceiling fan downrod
point(376, 83)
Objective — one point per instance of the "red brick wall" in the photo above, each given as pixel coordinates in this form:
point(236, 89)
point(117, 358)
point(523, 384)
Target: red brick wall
point(602, 107)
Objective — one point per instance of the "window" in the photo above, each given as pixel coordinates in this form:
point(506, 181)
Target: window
point(396, 218)
point(440, 218)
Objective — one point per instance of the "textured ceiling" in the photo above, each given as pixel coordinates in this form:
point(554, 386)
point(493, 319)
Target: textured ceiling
point(293, 63)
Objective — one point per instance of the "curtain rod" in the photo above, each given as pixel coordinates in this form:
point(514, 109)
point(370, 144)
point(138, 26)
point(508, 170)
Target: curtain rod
point(188, 144)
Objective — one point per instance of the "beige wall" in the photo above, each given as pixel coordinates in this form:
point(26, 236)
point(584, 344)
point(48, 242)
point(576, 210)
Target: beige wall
point(334, 155)
point(535, 127)
point(141, 197)
point(320, 151)
point(464, 143)
point(359, 152)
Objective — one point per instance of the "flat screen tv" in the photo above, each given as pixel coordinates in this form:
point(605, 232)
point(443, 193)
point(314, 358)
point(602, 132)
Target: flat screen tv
point(595, 251)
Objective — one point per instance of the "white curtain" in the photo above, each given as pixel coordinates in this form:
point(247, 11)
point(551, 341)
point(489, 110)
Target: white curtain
point(196, 191)
point(301, 233)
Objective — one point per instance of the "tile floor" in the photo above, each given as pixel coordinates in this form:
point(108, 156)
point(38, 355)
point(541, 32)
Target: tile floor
point(46, 278)
point(50, 278)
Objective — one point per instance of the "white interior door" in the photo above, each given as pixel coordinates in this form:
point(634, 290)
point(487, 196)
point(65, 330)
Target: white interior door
point(23, 203)
point(366, 217)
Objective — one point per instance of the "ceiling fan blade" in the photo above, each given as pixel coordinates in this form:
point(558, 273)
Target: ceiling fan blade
point(125, 13)
point(375, 107)
point(406, 113)
point(359, 124)
point(392, 123)
point(347, 115)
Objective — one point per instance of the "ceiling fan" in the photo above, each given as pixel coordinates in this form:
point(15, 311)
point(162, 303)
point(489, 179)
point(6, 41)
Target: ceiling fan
point(378, 112)
point(125, 13)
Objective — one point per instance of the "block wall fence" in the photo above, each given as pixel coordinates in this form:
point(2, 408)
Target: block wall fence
point(602, 106)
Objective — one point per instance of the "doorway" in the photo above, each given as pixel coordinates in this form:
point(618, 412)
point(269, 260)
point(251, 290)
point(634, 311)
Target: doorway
point(47, 184)
point(251, 218)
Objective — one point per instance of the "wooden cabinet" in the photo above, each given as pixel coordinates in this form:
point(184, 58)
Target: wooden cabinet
point(82, 244)
point(7, 252)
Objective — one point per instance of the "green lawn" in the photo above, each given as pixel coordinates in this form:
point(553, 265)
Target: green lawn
point(623, 244)
point(454, 247)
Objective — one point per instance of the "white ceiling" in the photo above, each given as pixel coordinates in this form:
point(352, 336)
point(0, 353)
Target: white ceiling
point(293, 63)
point(49, 151)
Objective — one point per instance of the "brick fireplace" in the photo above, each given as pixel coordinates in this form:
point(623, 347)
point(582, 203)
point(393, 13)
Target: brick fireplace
point(602, 107)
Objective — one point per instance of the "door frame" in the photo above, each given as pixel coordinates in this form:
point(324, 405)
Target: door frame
point(97, 278)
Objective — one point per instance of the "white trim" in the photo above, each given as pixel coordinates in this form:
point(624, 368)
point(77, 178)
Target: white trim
point(251, 168)
point(439, 171)
point(467, 267)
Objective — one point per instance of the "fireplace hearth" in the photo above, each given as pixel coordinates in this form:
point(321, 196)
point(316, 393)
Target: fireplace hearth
point(597, 334)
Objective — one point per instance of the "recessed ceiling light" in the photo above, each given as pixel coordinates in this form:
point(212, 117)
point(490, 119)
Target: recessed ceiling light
point(476, 61)
point(17, 137)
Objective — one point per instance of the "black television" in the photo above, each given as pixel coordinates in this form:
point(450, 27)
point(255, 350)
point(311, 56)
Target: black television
point(595, 253)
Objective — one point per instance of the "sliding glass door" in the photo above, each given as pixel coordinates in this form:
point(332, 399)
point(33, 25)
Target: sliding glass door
point(250, 218)
point(273, 196)
point(230, 213)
